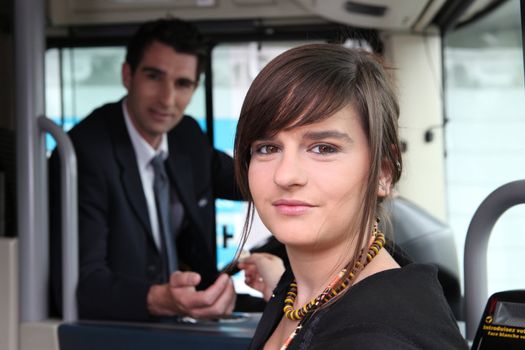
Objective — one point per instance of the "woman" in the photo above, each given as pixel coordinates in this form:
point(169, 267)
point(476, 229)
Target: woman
point(316, 152)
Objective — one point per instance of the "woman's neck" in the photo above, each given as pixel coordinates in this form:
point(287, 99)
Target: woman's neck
point(313, 271)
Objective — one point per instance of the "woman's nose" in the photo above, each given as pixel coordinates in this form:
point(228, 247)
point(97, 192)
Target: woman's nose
point(289, 171)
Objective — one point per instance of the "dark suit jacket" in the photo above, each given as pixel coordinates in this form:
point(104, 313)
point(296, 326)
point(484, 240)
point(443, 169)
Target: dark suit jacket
point(119, 260)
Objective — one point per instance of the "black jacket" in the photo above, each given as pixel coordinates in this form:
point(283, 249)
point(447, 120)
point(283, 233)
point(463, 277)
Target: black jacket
point(399, 309)
point(119, 260)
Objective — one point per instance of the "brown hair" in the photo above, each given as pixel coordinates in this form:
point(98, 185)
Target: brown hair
point(180, 35)
point(310, 83)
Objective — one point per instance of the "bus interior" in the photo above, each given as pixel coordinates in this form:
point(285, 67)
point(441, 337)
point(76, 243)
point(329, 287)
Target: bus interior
point(459, 69)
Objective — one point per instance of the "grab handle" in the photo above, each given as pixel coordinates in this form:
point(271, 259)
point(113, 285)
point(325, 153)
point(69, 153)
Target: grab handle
point(69, 215)
point(475, 267)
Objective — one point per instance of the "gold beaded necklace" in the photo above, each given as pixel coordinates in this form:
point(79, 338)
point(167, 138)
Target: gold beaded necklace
point(338, 284)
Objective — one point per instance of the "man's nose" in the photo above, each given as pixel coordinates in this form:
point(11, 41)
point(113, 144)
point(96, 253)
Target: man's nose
point(167, 95)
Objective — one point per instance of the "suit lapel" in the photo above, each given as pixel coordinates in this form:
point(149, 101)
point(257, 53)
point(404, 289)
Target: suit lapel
point(130, 177)
point(181, 175)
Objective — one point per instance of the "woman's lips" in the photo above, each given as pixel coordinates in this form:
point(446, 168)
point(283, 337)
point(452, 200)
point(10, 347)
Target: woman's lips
point(292, 207)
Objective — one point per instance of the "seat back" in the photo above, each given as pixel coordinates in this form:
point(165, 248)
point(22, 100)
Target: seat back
point(425, 239)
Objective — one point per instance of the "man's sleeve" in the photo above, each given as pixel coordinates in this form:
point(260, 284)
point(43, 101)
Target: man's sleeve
point(223, 176)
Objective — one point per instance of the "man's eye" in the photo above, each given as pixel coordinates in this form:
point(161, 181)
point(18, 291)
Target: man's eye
point(153, 76)
point(185, 84)
point(324, 149)
point(266, 149)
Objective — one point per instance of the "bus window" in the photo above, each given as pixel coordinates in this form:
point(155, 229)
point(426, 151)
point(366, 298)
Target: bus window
point(485, 101)
point(79, 80)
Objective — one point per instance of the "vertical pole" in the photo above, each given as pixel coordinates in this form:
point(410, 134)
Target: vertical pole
point(522, 10)
point(208, 83)
point(69, 216)
point(31, 180)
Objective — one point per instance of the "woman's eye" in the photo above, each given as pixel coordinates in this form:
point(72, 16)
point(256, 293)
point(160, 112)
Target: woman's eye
point(323, 149)
point(266, 149)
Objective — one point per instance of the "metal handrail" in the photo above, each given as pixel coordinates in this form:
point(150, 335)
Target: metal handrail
point(29, 44)
point(69, 213)
point(475, 255)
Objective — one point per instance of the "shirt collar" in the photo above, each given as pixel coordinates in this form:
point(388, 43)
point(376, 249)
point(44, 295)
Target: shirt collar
point(143, 150)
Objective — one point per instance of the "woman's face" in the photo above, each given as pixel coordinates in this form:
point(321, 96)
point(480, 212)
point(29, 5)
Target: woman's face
point(308, 182)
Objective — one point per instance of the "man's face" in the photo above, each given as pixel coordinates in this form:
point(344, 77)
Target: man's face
point(159, 90)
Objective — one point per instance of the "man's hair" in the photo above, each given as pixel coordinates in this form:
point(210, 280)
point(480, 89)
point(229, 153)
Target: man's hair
point(180, 35)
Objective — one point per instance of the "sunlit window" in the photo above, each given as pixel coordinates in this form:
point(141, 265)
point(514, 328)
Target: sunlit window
point(485, 105)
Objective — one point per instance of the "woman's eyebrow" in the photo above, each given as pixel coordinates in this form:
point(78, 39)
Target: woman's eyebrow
point(327, 134)
point(265, 139)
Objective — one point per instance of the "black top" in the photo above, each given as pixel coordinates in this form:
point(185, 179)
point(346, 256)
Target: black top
point(394, 309)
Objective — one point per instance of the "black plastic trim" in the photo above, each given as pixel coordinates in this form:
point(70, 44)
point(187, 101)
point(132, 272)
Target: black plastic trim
point(365, 9)
point(450, 13)
point(481, 14)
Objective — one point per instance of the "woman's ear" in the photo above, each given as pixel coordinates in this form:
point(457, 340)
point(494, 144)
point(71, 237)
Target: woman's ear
point(384, 187)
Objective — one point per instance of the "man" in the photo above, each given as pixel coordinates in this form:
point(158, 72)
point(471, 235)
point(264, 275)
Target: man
point(126, 270)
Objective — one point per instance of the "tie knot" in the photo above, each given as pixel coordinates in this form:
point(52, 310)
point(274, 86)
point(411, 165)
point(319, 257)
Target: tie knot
point(157, 162)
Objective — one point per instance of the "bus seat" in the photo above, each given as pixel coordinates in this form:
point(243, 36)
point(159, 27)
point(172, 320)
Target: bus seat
point(426, 239)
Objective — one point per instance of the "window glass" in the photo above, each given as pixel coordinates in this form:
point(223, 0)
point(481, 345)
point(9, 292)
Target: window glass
point(485, 104)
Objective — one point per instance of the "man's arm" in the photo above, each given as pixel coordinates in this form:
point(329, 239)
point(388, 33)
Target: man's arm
point(208, 163)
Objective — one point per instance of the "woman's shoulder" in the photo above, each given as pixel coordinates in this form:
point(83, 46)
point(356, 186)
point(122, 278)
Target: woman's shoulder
point(413, 274)
point(405, 305)
point(411, 286)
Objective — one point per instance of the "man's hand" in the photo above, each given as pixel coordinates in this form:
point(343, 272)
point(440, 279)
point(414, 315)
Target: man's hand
point(179, 297)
